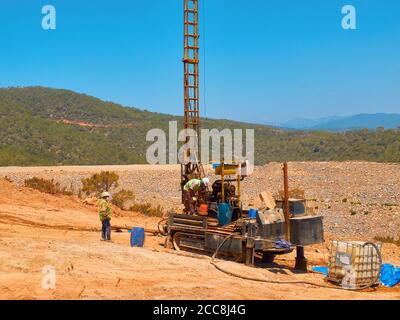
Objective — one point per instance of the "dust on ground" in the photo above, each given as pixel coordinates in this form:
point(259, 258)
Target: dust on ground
point(39, 230)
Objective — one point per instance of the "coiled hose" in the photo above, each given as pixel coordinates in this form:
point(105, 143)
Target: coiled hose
point(162, 227)
point(300, 281)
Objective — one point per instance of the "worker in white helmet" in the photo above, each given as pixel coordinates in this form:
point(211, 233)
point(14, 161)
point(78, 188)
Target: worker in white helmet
point(105, 216)
point(191, 193)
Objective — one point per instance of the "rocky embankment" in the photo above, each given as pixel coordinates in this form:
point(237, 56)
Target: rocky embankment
point(357, 199)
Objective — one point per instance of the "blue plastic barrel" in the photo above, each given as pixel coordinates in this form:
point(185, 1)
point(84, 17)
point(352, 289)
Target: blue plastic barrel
point(253, 213)
point(137, 237)
point(224, 214)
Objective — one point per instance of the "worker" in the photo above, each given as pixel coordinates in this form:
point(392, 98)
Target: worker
point(191, 193)
point(105, 216)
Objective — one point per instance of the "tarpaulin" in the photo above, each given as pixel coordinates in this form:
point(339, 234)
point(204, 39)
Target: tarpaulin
point(390, 275)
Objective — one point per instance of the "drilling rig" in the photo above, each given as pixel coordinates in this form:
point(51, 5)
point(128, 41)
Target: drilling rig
point(249, 235)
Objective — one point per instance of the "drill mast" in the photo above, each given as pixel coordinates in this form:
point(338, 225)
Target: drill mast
point(193, 169)
point(191, 65)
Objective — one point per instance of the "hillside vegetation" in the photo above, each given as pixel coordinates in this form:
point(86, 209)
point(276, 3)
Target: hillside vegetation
point(42, 126)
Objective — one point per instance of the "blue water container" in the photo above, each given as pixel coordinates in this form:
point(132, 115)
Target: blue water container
point(137, 237)
point(253, 213)
point(224, 214)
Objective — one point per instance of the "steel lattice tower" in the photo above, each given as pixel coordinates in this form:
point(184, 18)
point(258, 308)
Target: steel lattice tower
point(194, 168)
point(191, 65)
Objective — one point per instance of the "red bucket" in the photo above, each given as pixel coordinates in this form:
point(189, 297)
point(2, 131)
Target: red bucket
point(203, 210)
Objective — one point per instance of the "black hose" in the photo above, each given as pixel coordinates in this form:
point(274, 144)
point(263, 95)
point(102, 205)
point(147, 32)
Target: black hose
point(377, 276)
point(294, 282)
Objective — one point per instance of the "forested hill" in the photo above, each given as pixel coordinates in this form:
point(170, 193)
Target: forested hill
point(42, 126)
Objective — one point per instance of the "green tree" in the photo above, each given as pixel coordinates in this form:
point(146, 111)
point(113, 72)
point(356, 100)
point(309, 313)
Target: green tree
point(100, 182)
point(122, 197)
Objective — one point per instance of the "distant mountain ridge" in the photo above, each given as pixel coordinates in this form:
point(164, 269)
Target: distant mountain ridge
point(44, 126)
point(356, 122)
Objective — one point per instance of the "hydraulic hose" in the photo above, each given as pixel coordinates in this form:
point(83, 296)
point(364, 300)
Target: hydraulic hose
point(162, 227)
point(213, 262)
point(377, 276)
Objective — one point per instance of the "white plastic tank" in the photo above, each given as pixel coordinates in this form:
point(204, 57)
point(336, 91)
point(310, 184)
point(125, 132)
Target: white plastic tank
point(353, 264)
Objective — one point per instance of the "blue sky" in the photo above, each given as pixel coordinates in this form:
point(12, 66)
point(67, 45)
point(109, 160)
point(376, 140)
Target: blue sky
point(262, 60)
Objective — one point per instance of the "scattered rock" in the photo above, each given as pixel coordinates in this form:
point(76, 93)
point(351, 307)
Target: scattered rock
point(367, 187)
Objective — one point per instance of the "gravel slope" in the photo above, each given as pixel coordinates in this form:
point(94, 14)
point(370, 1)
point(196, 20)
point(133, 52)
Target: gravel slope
point(358, 199)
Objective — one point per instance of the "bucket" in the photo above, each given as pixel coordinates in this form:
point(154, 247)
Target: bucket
point(137, 237)
point(203, 210)
point(253, 213)
point(224, 214)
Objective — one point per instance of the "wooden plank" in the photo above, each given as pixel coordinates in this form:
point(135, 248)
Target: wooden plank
point(188, 222)
point(188, 217)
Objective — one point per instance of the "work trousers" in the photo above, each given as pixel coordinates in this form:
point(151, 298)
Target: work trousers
point(106, 230)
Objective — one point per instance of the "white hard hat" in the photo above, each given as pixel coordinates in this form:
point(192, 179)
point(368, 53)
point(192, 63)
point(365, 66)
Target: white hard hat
point(206, 181)
point(106, 195)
